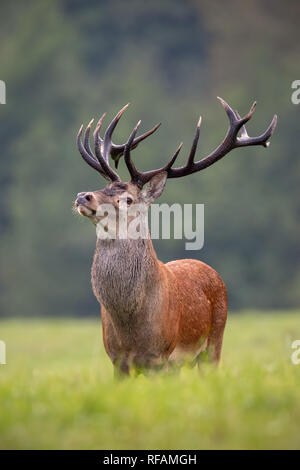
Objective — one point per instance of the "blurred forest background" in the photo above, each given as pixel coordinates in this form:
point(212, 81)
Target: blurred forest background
point(66, 61)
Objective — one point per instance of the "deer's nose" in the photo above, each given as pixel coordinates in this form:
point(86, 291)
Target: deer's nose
point(83, 198)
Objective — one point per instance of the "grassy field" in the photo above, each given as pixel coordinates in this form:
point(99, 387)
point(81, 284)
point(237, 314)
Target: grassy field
point(57, 391)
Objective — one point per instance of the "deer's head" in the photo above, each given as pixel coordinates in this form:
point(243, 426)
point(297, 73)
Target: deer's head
point(145, 187)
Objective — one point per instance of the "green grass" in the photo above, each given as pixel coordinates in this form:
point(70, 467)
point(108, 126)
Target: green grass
point(57, 391)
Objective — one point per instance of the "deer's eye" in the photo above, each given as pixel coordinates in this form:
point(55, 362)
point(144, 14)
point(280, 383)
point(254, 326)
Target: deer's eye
point(129, 201)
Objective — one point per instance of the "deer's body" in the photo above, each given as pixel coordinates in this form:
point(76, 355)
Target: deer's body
point(153, 313)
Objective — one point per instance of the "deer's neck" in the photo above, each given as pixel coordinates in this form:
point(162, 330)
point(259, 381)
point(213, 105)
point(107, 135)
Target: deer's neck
point(126, 277)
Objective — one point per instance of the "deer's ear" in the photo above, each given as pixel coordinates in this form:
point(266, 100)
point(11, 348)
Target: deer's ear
point(155, 187)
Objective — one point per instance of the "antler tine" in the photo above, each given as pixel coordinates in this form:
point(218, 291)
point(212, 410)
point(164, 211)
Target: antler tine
point(87, 156)
point(230, 142)
point(129, 163)
point(169, 165)
point(107, 143)
point(144, 136)
point(106, 171)
point(194, 144)
point(87, 137)
point(243, 128)
point(236, 122)
point(229, 111)
point(97, 139)
point(262, 139)
point(141, 178)
point(112, 175)
point(98, 126)
point(105, 147)
point(145, 177)
point(117, 151)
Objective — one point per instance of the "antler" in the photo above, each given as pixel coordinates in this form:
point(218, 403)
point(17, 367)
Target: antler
point(138, 177)
point(105, 147)
point(230, 142)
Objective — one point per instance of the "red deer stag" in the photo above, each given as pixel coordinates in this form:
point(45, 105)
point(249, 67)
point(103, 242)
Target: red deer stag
point(152, 313)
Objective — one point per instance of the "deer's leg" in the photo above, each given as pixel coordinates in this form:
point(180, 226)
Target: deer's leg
point(113, 347)
point(214, 347)
point(121, 369)
point(215, 337)
point(148, 362)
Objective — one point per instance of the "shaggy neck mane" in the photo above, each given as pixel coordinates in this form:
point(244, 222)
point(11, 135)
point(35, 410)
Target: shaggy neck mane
point(125, 274)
